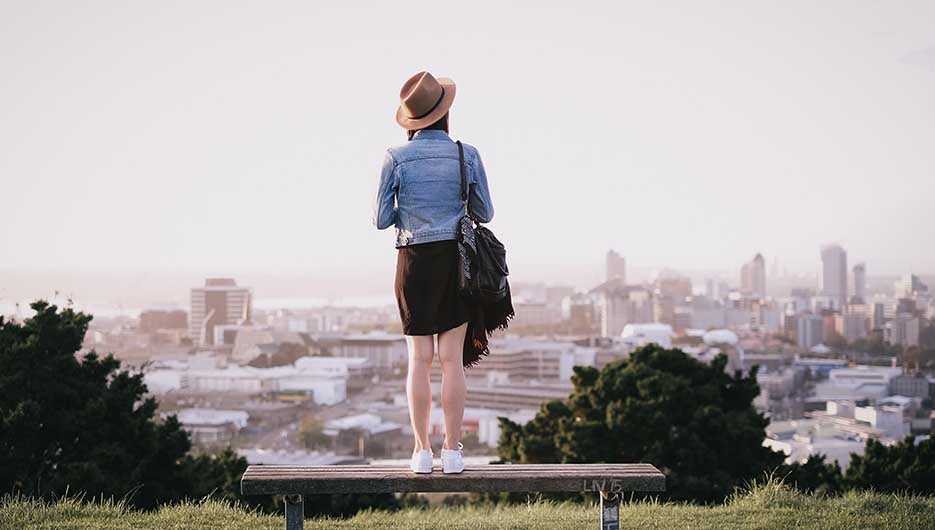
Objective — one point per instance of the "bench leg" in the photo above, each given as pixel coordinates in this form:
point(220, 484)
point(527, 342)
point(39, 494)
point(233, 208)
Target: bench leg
point(610, 511)
point(295, 512)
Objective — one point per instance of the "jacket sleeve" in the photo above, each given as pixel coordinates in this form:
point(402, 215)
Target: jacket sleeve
point(384, 207)
point(479, 199)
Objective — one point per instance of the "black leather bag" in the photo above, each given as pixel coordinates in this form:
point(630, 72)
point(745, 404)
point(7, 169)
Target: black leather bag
point(482, 269)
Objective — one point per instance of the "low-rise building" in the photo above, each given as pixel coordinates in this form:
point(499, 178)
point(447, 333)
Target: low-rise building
point(386, 351)
point(507, 396)
point(528, 359)
point(912, 385)
point(366, 434)
point(857, 383)
point(212, 426)
point(325, 383)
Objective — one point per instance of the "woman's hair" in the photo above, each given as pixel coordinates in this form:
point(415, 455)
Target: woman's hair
point(440, 125)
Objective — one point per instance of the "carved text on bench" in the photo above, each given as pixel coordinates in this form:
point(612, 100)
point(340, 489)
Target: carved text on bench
point(607, 486)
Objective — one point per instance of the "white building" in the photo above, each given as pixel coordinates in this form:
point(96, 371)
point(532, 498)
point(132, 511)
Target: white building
point(642, 334)
point(325, 382)
point(370, 423)
point(327, 366)
point(800, 439)
point(888, 419)
point(212, 425)
point(859, 382)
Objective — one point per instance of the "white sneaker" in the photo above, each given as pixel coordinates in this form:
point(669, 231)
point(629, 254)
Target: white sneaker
point(422, 461)
point(453, 459)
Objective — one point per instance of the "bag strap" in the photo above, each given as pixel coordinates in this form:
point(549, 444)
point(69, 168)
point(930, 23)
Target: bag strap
point(464, 192)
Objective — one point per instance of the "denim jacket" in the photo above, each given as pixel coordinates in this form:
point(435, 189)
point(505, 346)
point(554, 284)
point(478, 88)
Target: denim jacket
point(420, 189)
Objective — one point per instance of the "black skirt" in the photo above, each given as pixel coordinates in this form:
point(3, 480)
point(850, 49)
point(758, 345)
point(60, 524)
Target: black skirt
point(427, 288)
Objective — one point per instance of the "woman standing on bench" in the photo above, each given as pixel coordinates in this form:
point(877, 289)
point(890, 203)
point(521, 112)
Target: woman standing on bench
point(420, 193)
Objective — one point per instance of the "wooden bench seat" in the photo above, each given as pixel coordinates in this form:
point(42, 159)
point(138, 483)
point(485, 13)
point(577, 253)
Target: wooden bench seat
point(609, 480)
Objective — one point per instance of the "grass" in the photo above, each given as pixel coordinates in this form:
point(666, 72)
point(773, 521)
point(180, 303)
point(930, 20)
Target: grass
point(767, 506)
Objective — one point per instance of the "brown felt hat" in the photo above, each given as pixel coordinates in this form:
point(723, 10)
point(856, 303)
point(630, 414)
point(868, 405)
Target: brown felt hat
point(423, 100)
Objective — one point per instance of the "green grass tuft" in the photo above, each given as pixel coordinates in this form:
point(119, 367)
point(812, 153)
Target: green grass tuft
point(766, 505)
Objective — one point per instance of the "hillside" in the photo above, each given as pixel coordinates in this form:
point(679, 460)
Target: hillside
point(766, 507)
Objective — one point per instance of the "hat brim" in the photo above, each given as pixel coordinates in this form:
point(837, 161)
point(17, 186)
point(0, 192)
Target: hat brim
point(412, 124)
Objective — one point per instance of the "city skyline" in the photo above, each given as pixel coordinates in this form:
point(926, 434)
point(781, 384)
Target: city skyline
point(127, 293)
point(266, 157)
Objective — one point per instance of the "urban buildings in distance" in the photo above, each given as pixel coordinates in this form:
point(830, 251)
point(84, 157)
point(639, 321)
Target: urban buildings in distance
point(218, 308)
point(835, 358)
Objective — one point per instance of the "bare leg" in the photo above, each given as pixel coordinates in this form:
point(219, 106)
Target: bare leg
point(418, 386)
point(451, 355)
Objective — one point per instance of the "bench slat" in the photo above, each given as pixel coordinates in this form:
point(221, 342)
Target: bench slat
point(291, 480)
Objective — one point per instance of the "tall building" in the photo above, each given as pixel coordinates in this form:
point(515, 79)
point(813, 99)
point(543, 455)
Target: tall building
point(616, 267)
point(622, 306)
point(910, 286)
point(671, 283)
point(851, 326)
point(753, 277)
point(860, 284)
point(716, 289)
point(219, 303)
point(811, 331)
point(758, 276)
point(664, 309)
point(902, 330)
point(834, 275)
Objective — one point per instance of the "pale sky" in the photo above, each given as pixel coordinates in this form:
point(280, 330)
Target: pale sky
point(219, 137)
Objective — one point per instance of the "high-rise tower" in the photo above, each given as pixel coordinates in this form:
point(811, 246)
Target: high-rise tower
point(860, 284)
point(834, 274)
point(616, 267)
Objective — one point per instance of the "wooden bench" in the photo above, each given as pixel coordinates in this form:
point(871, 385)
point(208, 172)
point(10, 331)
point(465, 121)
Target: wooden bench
point(609, 480)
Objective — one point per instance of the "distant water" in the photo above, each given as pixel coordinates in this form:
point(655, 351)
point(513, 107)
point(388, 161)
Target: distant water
point(306, 302)
point(22, 309)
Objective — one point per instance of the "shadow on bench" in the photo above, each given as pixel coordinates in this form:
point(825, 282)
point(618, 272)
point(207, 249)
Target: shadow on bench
point(609, 480)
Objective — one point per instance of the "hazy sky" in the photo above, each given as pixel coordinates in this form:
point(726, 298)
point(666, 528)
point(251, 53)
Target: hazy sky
point(219, 137)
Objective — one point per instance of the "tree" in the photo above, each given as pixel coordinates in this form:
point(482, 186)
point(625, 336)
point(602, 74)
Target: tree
point(900, 467)
point(218, 476)
point(83, 424)
point(692, 420)
point(312, 435)
point(286, 353)
point(813, 476)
